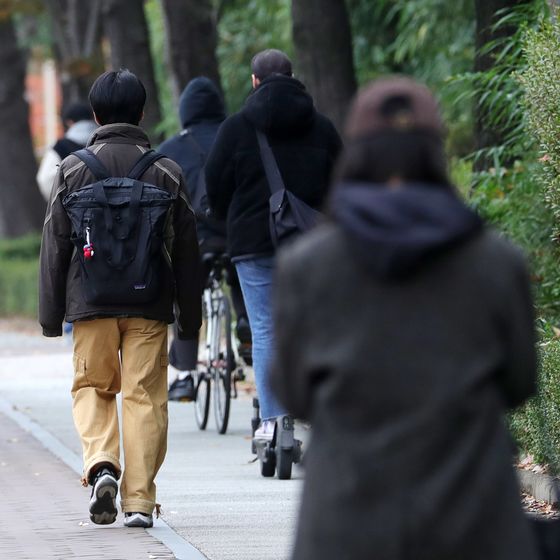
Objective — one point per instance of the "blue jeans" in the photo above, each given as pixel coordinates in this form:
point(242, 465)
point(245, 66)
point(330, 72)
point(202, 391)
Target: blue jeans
point(255, 277)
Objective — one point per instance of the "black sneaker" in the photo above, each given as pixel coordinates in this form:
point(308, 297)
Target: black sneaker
point(182, 389)
point(243, 333)
point(246, 353)
point(103, 502)
point(243, 330)
point(138, 519)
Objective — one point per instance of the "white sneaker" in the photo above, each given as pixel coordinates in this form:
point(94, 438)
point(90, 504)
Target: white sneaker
point(138, 519)
point(265, 431)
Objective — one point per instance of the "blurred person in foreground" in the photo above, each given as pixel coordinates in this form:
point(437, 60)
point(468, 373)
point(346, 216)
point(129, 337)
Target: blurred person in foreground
point(404, 332)
point(305, 145)
point(79, 125)
point(201, 110)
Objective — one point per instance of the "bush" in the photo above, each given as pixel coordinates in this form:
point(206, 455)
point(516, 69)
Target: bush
point(19, 268)
point(541, 95)
point(22, 248)
point(536, 426)
point(512, 200)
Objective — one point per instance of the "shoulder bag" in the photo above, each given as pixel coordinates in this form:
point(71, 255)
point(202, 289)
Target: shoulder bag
point(289, 215)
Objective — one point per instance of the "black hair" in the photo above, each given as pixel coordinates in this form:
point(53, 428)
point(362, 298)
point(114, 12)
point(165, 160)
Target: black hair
point(118, 97)
point(271, 61)
point(415, 156)
point(76, 112)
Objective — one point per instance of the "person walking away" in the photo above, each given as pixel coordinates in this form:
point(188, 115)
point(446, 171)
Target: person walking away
point(201, 111)
point(79, 125)
point(305, 145)
point(404, 330)
point(118, 291)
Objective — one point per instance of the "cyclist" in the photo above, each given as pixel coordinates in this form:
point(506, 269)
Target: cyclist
point(306, 145)
point(201, 111)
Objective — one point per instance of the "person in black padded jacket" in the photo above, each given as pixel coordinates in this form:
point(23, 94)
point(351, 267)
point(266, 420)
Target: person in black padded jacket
point(305, 145)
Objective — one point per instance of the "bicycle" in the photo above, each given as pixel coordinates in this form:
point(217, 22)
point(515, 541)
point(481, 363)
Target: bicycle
point(219, 360)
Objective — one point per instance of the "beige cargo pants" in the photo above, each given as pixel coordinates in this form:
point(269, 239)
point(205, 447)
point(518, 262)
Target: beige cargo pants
point(128, 355)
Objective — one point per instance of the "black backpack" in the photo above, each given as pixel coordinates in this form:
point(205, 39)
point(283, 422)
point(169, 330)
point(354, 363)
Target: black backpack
point(118, 227)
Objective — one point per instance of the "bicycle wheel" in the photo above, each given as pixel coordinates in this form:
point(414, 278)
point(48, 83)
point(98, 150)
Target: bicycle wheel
point(222, 367)
point(202, 400)
point(202, 378)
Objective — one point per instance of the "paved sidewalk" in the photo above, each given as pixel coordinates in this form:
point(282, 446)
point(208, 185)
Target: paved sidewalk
point(212, 494)
point(43, 508)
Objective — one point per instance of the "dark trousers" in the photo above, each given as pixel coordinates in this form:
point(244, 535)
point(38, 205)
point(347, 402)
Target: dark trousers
point(183, 354)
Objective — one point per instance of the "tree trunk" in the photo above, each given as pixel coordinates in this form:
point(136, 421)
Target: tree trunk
point(77, 45)
point(191, 41)
point(324, 60)
point(127, 31)
point(21, 206)
point(486, 10)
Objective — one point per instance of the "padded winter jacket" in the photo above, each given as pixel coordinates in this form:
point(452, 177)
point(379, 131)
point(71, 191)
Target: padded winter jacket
point(305, 145)
point(118, 147)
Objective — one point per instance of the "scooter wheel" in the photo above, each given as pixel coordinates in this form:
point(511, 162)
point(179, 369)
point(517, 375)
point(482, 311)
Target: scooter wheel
point(268, 464)
point(284, 463)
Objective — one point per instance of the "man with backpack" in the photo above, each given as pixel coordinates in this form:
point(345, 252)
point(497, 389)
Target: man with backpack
point(119, 248)
point(305, 146)
point(201, 110)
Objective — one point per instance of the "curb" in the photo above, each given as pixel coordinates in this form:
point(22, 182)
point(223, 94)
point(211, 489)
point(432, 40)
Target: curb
point(541, 486)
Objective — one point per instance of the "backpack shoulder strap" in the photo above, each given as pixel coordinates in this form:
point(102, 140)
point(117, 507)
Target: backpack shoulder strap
point(93, 163)
point(146, 160)
point(273, 176)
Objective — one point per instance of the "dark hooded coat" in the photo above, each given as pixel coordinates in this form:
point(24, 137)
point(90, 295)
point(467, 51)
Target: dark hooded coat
point(404, 330)
point(201, 110)
point(118, 146)
point(305, 145)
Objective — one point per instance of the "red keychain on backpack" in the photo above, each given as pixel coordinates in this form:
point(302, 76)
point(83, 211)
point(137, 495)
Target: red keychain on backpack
point(88, 247)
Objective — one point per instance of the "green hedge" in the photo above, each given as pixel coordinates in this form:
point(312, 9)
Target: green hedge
point(19, 268)
point(536, 426)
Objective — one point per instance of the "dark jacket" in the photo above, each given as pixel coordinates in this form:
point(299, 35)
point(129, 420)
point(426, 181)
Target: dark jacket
point(405, 371)
point(304, 142)
point(201, 110)
point(118, 146)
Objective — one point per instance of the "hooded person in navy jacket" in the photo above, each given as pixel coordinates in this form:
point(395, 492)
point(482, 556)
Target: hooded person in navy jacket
point(201, 111)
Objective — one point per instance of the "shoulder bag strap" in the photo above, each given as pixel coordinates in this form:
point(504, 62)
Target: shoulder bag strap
point(144, 162)
point(273, 176)
point(93, 163)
